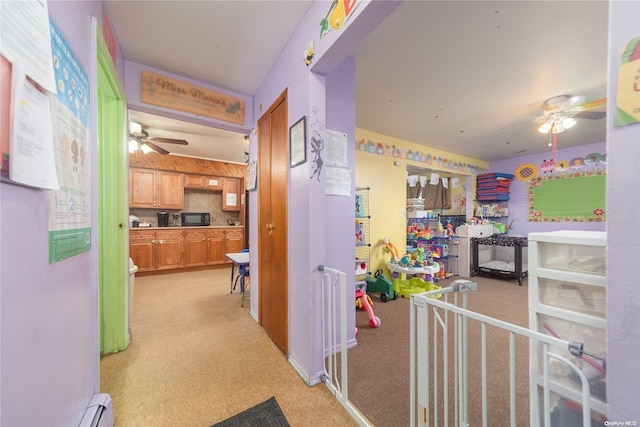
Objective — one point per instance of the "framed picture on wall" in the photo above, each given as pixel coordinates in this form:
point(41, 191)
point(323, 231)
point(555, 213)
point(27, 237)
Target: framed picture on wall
point(298, 142)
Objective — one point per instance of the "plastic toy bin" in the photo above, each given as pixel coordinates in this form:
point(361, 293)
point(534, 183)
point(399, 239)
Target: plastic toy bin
point(574, 258)
point(573, 296)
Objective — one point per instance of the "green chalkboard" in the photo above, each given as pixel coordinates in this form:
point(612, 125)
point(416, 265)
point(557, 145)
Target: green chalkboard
point(576, 197)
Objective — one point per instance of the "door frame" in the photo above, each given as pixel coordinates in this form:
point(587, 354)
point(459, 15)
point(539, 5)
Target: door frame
point(263, 220)
point(112, 164)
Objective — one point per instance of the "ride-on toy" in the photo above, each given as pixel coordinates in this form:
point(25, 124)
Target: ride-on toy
point(379, 283)
point(363, 303)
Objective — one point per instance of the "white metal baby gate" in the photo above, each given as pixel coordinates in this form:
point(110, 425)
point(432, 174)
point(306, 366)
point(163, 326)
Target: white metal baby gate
point(431, 403)
point(430, 399)
point(335, 304)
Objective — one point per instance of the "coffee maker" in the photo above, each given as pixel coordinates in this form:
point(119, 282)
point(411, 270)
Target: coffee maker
point(163, 219)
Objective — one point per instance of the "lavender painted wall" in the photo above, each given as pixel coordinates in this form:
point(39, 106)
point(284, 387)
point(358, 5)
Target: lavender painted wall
point(518, 205)
point(49, 354)
point(623, 231)
point(311, 236)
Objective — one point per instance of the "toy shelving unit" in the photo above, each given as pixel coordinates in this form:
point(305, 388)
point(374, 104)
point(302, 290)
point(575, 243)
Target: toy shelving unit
point(363, 226)
point(444, 248)
point(567, 295)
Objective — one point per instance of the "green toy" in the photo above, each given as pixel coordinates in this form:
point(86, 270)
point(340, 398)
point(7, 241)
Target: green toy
point(379, 283)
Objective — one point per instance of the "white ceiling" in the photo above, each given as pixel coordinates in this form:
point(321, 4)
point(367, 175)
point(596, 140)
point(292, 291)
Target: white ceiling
point(464, 76)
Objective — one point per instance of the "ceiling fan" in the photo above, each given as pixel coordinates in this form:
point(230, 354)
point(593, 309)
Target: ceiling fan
point(141, 141)
point(560, 113)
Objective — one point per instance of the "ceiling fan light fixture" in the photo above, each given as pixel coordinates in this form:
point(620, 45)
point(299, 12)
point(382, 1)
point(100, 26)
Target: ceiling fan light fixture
point(557, 127)
point(545, 128)
point(569, 122)
point(133, 146)
point(135, 128)
point(145, 148)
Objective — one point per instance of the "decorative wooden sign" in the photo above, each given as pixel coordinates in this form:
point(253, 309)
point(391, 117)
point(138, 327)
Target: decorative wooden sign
point(178, 95)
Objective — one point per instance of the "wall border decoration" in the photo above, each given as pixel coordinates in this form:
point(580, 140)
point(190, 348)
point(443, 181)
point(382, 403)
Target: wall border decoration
point(417, 156)
point(572, 197)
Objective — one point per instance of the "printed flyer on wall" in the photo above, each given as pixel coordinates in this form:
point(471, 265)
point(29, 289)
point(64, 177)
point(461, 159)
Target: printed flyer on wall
point(69, 207)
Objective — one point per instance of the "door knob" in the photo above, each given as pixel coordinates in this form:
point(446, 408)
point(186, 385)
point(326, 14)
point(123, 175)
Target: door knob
point(270, 228)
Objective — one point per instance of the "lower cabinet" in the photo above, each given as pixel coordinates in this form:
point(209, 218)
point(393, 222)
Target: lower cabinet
point(195, 245)
point(215, 246)
point(234, 240)
point(169, 249)
point(153, 250)
point(141, 248)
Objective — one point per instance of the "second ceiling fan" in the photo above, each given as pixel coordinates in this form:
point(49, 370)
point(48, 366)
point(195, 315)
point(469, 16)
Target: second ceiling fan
point(560, 113)
point(141, 140)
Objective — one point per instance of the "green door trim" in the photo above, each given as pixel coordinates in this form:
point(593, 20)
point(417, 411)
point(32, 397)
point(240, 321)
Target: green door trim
point(112, 163)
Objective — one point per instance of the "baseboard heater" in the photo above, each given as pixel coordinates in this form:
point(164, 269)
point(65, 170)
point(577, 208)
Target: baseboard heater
point(99, 412)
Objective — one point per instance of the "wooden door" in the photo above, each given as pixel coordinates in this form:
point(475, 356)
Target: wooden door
point(273, 221)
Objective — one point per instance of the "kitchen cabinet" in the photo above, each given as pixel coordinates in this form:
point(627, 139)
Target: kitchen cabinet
point(215, 246)
point(175, 247)
point(231, 194)
point(141, 246)
point(567, 299)
point(233, 240)
point(169, 249)
point(149, 188)
point(195, 248)
point(203, 182)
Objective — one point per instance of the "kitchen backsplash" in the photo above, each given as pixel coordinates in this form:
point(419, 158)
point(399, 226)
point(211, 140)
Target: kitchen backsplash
point(194, 201)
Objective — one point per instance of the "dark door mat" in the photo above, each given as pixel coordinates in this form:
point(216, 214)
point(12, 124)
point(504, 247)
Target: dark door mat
point(265, 414)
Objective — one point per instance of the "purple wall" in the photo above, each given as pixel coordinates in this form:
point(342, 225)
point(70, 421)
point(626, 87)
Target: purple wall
point(518, 206)
point(49, 354)
point(623, 229)
point(312, 232)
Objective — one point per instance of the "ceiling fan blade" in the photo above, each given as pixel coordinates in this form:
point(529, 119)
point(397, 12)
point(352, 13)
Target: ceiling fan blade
point(155, 147)
point(591, 115)
point(596, 103)
point(169, 140)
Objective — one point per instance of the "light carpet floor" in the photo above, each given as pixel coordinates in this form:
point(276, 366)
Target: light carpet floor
point(197, 357)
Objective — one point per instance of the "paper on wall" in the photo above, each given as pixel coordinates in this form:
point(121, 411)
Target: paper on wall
point(31, 150)
point(25, 37)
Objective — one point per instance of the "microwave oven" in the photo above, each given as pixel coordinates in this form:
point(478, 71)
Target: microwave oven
point(195, 219)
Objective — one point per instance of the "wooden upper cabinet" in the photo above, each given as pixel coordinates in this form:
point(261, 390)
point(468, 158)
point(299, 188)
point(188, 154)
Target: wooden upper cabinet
point(203, 182)
point(170, 190)
point(150, 188)
point(231, 194)
point(142, 188)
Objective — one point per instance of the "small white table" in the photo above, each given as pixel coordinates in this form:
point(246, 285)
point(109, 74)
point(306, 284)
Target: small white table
point(241, 259)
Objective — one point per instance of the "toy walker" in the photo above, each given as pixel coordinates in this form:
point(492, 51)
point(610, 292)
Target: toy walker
point(363, 302)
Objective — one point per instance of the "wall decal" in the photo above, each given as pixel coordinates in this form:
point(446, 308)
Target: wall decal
point(317, 143)
point(308, 53)
point(628, 92)
point(339, 12)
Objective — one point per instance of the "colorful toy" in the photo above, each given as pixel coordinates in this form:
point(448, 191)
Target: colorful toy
point(363, 302)
point(393, 250)
point(380, 283)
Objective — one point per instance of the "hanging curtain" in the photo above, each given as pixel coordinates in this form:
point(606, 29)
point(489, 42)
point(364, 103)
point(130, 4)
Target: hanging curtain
point(437, 196)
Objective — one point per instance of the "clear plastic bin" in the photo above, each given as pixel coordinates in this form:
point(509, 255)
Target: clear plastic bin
point(573, 296)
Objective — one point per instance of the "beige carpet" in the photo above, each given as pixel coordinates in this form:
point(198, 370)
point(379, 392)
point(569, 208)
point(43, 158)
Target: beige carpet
point(197, 357)
point(379, 364)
